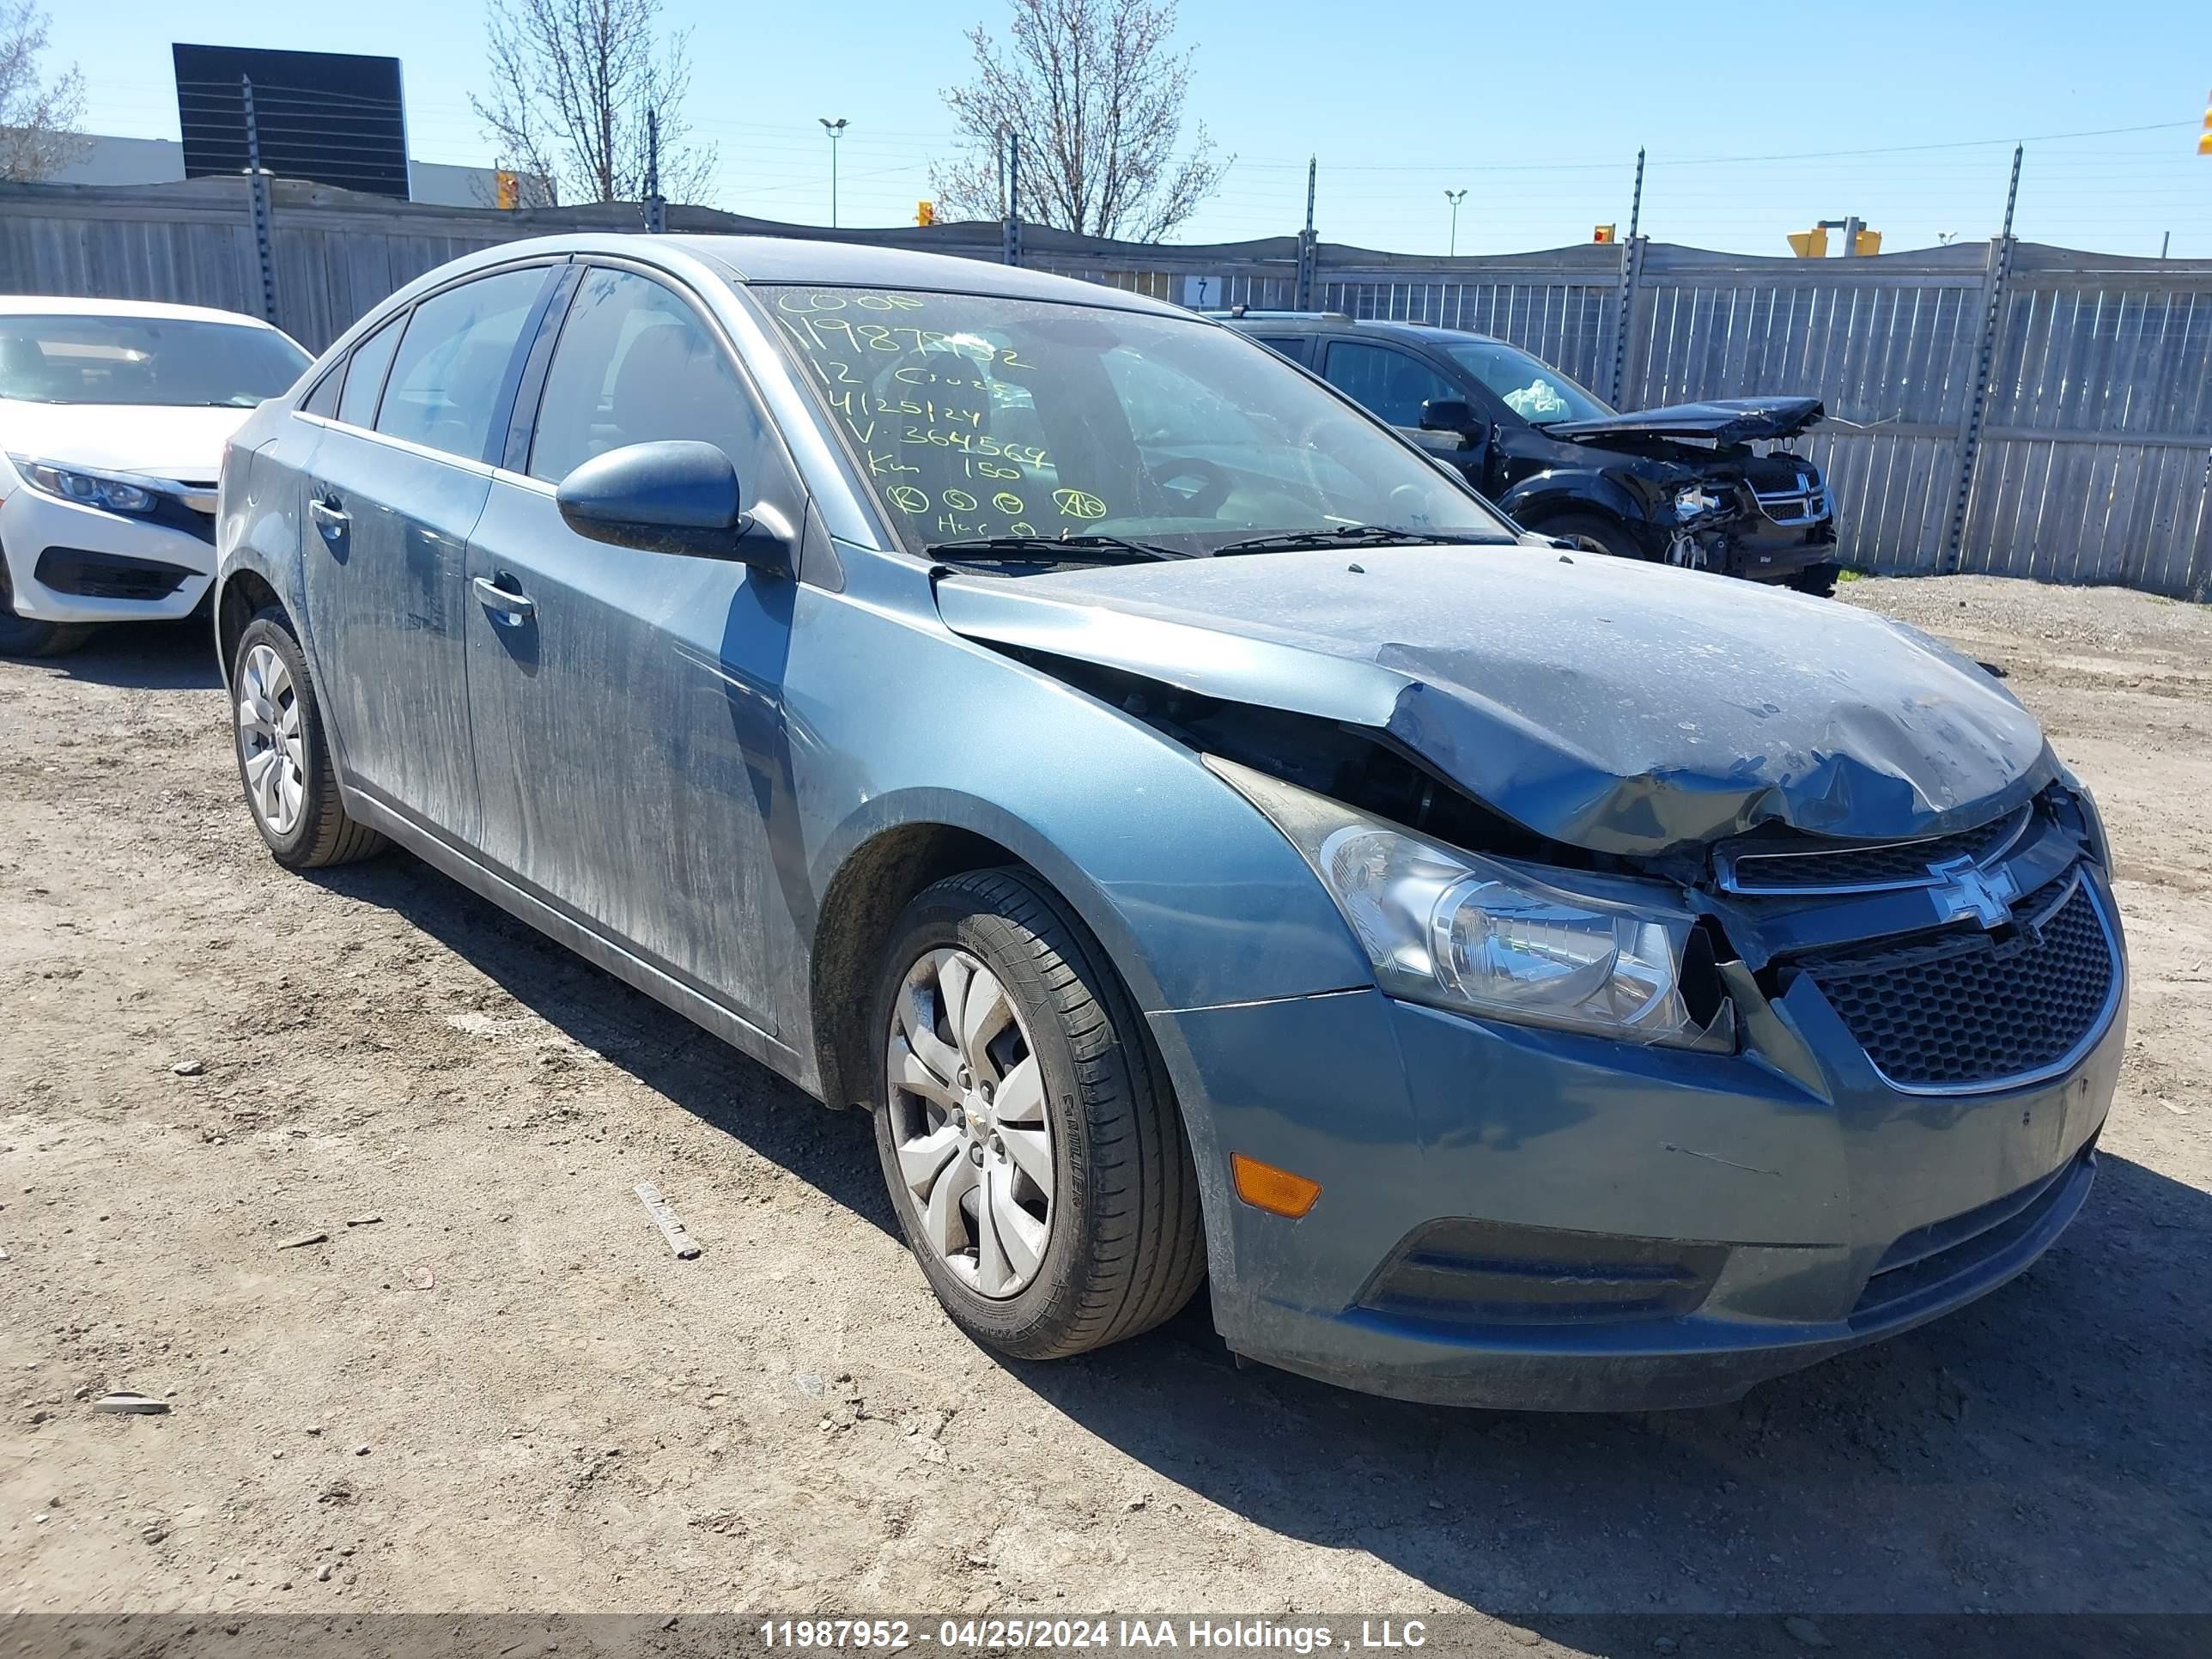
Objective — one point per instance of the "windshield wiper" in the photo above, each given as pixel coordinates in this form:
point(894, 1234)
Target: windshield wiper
point(1360, 535)
point(1086, 549)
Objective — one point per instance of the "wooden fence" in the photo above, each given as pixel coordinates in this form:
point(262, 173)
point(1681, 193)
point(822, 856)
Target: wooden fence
point(2007, 407)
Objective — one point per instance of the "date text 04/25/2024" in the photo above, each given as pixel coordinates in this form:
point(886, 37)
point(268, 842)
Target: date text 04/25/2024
point(1013, 1635)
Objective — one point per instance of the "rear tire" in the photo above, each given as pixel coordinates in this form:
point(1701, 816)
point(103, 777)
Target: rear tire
point(1121, 1245)
point(284, 753)
point(1592, 534)
point(25, 636)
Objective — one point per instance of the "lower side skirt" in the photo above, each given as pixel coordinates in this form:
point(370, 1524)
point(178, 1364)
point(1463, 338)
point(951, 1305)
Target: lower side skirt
point(695, 1006)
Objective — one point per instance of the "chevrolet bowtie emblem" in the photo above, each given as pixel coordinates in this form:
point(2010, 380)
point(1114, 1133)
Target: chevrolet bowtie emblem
point(1964, 889)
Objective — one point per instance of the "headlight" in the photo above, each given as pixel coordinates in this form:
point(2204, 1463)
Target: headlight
point(71, 483)
point(1462, 930)
point(1697, 500)
point(2092, 819)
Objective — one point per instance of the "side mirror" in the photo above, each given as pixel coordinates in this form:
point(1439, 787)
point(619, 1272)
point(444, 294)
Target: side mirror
point(678, 496)
point(1449, 415)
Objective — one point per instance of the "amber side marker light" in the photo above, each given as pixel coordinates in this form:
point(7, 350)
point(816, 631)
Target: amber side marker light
point(1277, 1192)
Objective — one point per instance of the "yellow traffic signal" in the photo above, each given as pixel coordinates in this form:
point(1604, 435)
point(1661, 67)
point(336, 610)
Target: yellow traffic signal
point(508, 189)
point(1868, 244)
point(1602, 234)
point(1811, 244)
point(2204, 138)
point(925, 212)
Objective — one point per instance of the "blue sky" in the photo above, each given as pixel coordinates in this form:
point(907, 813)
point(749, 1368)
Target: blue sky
point(1536, 110)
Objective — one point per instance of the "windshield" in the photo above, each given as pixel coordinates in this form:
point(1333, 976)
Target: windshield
point(176, 363)
point(1532, 389)
point(981, 416)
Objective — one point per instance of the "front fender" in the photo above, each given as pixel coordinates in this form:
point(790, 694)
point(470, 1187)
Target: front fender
point(1195, 896)
point(1574, 489)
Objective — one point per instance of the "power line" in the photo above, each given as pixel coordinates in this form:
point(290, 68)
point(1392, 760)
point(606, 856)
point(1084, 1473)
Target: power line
point(1660, 159)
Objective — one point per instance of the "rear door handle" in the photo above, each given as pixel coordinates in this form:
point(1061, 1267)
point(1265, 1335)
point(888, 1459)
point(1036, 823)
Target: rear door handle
point(329, 518)
point(513, 609)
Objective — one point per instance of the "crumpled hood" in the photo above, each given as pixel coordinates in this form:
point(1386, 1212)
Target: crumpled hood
point(162, 443)
point(1622, 706)
point(1723, 423)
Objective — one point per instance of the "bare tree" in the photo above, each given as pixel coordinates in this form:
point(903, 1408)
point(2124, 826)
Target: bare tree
point(39, 134)
point(573, 83)
point(1094, 89)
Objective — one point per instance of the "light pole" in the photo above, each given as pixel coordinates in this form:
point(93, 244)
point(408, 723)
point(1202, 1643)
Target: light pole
point(836, 129)
point(1455, 197)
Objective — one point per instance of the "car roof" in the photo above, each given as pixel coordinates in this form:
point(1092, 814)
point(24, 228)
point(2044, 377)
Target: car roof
point(1279, 325)
point(53, 305)
point(748, 259)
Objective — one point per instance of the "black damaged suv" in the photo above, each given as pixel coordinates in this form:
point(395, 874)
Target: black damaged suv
point(1680, 485)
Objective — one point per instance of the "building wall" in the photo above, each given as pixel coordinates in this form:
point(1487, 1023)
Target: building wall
point(161, 160)
point(126, 161)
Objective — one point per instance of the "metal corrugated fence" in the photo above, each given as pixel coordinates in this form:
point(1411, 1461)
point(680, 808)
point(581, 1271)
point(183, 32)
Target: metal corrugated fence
point(2045, 413)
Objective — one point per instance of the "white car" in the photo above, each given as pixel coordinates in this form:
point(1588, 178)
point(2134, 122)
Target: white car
point(113, 415)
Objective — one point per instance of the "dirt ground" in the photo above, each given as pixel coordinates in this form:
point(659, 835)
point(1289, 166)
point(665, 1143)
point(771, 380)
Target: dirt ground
point(505, 1392)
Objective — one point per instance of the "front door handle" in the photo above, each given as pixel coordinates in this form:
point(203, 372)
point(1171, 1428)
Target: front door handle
point(509, 608)
point(330, 517)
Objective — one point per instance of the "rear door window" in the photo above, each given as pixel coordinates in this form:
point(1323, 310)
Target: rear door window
point(452, 366)
point(1385, 380)
point(364, 374)
point(636, 364)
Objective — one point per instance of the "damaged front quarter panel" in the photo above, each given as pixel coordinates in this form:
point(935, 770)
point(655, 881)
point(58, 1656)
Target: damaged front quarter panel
point(1620, 708)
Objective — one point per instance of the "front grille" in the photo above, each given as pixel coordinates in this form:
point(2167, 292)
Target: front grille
point(1869, 868)
point(1809, 502)
point(93, 575)
point(1927, 1259)
point(1966, 1012)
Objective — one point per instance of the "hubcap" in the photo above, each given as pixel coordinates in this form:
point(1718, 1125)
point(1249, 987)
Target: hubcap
point(269, 740)
point(969, 1122)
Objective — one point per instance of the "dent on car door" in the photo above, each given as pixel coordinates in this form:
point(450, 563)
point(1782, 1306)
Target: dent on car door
point(628, 713)
point(395, 488)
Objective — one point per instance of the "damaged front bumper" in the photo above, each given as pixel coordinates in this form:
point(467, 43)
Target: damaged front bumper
point(1761, 535)
point(1517, 1217)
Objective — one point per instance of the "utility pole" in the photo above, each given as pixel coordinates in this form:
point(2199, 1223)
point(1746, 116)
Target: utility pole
point(836, 129)
point(257, 188)
point(1455, 197)
point(656, 217)
point(1302, 292)
point(1632, 278)
point(1968, 445)
point(1010, 236)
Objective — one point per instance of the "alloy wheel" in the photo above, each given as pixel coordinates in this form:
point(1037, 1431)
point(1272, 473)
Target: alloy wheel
point(969, 1122)
point(270, 744)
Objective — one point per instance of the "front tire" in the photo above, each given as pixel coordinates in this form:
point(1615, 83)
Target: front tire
point(1818, 579)
point(1027, 1130)
point(26, 636)
point(284, 754)
point(1593, 534)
